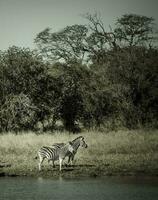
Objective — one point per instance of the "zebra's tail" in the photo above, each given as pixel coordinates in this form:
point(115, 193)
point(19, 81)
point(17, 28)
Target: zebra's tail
point(36, 157)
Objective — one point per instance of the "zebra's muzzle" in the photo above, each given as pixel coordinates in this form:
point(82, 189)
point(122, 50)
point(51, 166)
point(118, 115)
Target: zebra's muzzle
point(86, 146)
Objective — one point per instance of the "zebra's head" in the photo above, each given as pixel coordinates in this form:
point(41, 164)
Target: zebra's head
point(70, 147)
point(83, 143)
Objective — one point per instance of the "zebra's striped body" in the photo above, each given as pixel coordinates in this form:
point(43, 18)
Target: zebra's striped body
point(76, 143)
point(54, 153)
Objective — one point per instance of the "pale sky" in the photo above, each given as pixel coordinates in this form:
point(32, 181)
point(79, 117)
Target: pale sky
point(21, 20)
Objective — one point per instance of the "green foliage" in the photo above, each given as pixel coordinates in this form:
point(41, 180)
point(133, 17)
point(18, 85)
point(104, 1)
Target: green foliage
point(66, 45)
point(134, 71)
point(102, 78)
point(69, 107)
point(17, 113)
point(23, 71)
point(134, 29)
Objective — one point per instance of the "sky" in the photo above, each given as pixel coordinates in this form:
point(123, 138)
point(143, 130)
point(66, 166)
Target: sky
point(22, 20)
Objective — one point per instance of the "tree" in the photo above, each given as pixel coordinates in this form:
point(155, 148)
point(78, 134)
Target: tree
point(23, 71)
point(134, 30)
point(117, 73)
point(66, 45)
point(69, 107)
point(76, 43)
point(125, 54)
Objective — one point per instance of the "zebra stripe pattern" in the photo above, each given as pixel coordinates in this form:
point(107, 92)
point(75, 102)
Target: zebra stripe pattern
point(76, 143)
point(54, 153)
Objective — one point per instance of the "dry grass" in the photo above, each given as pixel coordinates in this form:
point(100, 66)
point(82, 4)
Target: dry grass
point(120, 151)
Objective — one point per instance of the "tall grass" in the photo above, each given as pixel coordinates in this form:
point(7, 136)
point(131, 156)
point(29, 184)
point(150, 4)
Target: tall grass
point(108, 152)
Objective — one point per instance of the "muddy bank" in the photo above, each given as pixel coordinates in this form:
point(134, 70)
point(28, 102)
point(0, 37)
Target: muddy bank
point(77, 171)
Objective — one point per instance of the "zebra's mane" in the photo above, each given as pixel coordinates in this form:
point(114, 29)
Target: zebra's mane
point(77, 138)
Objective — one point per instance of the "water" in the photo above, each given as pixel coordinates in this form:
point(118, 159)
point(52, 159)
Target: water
point(110, 188)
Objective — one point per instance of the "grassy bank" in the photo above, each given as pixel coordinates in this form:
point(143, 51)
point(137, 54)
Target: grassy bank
point(114, 153)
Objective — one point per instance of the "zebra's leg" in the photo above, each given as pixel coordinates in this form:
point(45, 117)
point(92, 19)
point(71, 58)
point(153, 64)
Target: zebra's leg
point(41, 159)
point(52, 162)
point(70, 159)
point(60, 163)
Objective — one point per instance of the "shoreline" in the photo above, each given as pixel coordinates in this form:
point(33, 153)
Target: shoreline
point(72, 172)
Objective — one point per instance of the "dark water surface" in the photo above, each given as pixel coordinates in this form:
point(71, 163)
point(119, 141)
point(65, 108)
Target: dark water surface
point(110, 188)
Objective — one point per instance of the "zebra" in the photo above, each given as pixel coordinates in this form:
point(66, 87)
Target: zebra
point(54, 153)
point(76, 143)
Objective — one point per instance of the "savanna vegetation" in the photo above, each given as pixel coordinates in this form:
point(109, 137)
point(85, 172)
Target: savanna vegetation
point(114, 153)
point(82, 77)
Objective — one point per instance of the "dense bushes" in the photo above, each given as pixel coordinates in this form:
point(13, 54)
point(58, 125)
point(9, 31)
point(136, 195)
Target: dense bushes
point(107, 79)
point(25, 86)
point(132, 74)
point(17, 113)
